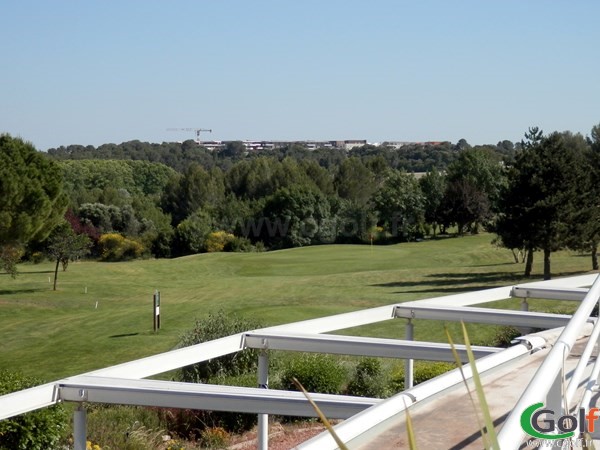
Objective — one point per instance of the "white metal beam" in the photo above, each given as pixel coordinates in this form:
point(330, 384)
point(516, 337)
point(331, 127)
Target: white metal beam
point(27, 400)
point(574, 294)
point(170, 394)
point(361, 346)
point(483, 315)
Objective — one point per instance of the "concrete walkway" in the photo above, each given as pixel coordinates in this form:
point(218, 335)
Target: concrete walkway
point(448, 420)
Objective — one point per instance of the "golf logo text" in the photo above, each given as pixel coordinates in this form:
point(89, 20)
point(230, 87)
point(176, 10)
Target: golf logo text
point(566, 425)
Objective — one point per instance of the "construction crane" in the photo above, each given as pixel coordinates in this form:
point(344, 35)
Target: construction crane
point(196, 131)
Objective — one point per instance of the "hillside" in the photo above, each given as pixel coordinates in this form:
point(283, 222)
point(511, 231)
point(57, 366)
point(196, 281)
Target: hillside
point(54, 334)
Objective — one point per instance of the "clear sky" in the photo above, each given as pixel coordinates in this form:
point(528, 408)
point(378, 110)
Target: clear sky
point(94, 72)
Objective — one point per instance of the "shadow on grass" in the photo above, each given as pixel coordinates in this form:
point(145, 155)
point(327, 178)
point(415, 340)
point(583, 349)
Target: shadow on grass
point(465, 282)
point(20, 291)
point(28, 271)
point(123, 335)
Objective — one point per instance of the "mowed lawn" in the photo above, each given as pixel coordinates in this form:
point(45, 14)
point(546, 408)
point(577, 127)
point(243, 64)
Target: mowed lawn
point(52, 334)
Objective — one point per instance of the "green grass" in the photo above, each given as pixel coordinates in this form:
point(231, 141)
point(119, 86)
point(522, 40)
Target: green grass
point(55, 334)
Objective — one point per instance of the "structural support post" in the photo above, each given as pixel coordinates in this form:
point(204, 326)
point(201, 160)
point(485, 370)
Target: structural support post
point(554, 396)
point(263, 383)
point(80, 428)
point(408, 363)
point(525, 307)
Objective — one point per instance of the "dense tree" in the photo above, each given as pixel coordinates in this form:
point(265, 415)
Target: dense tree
point(190, 234)
point(354, 181)
point(544, 196)
point(474, 182)
point(295, 217)
point(433, 186)
point(584, 228)
point(196, 189)
point(32, 202)
point(400, 204)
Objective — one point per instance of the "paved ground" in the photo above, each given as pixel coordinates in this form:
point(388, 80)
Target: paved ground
point(449, 421)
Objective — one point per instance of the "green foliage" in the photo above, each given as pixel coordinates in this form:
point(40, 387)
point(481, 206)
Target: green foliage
point(115, 247)
point(10, 255)
point(422, 371)
point(400, 204)
point(215, 326)
point(191, 234)
point(124, 427)
point(297, 217)
point(217, 241)
point(215, 437)
point(36, 430)
point(32, 202)
point(64, 245)
point(547, 192)
point(316, 372)
point(240, 244)
point(368, 379)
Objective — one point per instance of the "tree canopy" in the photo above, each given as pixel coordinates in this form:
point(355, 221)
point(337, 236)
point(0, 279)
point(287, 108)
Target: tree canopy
point(32, 202)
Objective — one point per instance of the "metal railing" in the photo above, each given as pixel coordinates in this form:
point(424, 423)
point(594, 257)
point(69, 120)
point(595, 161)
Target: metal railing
point(547, 383)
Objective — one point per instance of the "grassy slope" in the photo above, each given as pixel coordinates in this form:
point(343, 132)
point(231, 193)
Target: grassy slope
point(54, 334)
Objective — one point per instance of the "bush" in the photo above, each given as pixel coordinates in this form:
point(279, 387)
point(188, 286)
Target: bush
point(123, 427)
point(215, 437)
point(37, 257)
point(115, 247)
point(190, 234)
point(368, 379)
point(422, 371)
point(36, 430)
point(239, 244)
point(241, 365)
point(217, 240)
point(215, 326)
point(316, 372)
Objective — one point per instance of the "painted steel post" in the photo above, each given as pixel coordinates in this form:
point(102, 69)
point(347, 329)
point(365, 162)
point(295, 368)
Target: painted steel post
point(408, 363)
point(525, 307)
point(263, 383)
point(80, 428)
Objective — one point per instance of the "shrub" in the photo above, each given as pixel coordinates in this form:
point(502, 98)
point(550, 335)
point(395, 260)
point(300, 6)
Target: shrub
point(239, 244)
point(190, 234)
point(368, 379)
point(316, 372)
point(38, 257)
point(115, 247)
point(36, 430)
point(504, 335)
point(215, 326)
point(215, 437)
point(241, 365)
point(422, 371)
point(123, 427)
point(217, 240)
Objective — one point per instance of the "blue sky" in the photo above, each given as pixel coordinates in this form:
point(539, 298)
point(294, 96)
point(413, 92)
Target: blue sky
point(111, 71)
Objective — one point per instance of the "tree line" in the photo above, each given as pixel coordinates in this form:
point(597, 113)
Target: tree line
point(138, 199)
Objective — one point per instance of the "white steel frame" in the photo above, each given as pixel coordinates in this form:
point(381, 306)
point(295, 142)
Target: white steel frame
point(125, 384)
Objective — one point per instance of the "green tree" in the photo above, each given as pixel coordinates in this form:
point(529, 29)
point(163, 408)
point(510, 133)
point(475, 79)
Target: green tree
point(191, 233)
point(433, 186)
point(474, 182)
point(584, 229)
point(196, 189)
point(354, 181)
point(65, 245)
point(32, 202)
point(296, 217)
point(544, 196)
point(400, 204)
